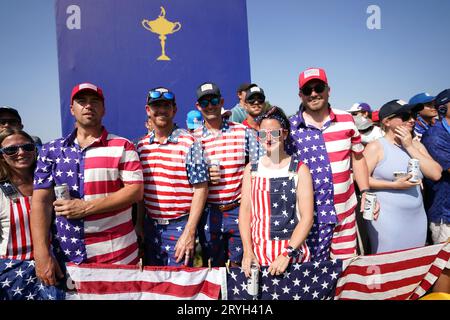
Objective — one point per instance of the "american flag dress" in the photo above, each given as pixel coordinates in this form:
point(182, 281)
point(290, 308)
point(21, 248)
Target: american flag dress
point(274, 213)
point(19, 245)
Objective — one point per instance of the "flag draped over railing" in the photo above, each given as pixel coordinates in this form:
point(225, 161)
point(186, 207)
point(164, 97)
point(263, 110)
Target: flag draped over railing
point(400, 275)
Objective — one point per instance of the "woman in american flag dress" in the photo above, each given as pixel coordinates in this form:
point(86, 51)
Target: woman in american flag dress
point(17, 273)
point(276, 211)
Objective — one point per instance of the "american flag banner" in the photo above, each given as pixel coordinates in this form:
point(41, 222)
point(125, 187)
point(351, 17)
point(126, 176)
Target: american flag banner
point(18, 282)
point(399, 275)
point(306, 281)
point(124, 282)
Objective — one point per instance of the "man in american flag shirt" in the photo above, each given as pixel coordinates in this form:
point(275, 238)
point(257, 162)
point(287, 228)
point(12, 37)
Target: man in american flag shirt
point(228, 147)
point(176, 187)
point(104, 177)
point(327, 140)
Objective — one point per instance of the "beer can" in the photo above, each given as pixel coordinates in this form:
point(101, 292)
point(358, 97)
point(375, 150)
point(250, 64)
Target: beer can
point(413, 170)
point(399, 174)
point(369, 205)
point(62, 192)
point(253, 281)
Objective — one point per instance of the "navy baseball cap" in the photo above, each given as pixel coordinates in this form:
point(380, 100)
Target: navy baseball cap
point(12, 111)
point(442, 98)
point(254, 91)
point(397, 106)
point(208, 88)
point(423, 97)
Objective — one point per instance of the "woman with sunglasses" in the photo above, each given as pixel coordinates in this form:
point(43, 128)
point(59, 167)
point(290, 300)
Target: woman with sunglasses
point(401, 222)
point(17, 164)
point(276, 211)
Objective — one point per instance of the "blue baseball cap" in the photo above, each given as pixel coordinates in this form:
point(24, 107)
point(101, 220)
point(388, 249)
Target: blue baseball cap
point(421, 98)
point(194, 119)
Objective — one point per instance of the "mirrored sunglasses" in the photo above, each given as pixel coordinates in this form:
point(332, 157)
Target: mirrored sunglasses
point(274, 134)
point(318, 88)
point(205, 102)
point(12, 150)
point(157, 94)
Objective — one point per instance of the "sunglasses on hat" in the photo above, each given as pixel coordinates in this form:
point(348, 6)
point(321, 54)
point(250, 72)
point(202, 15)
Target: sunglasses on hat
point(318, 88)
point(12, 150)
point(274, 134)
point(205, 102)
point(157, 94)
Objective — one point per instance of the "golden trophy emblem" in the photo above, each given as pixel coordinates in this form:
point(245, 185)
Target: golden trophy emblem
point(163, 27)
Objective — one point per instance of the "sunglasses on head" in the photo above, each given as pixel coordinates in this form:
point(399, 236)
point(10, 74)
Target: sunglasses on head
point(205, 102)
point(318, 88)
point(13, 122)
point(12, 150)
point(274, 134)
point(157, 94)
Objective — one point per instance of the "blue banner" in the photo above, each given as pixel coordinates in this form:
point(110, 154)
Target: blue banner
point(129, 47)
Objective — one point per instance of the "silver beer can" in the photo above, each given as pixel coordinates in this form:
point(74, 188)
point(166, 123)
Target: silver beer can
point(253, 281)
point(399, 174)
point(369, 205)
point(414, 170)
point(62, 192)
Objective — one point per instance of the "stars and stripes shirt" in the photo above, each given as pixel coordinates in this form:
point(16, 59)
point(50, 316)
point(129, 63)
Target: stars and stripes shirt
point(233, 147)
point(95, 171)
point(327, 152)
point(15, 239)
point(170, 171)
point(274, 213)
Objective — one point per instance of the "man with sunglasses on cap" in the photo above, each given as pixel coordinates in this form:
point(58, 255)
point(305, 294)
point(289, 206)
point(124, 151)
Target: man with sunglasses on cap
point(10, 118)
point(327, 140)
point(176, 187)
point(427, 116)
point(254, 104)
point(228, 147)
point(103, 176)
point(437, 142)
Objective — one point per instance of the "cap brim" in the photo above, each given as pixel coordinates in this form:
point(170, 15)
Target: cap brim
point(86, 90)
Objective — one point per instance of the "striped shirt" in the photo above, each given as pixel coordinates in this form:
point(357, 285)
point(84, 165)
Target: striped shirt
point(274, 214)
point(170, 171)
point(93, 172)
point(327, 152)
point(17, 233)
point(233, 147)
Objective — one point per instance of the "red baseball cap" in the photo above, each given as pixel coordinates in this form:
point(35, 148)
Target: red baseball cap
point(84, 87)
point(311, 74)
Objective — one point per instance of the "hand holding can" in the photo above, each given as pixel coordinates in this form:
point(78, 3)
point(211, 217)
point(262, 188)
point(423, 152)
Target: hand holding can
point(214, 171)
point(369, 205)
point(62, 192)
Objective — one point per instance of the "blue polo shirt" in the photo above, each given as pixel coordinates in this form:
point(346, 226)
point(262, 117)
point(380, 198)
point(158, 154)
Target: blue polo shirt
point(437, 142)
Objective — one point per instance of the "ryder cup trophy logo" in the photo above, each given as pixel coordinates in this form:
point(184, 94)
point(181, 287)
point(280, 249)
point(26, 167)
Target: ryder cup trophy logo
point(163, 27)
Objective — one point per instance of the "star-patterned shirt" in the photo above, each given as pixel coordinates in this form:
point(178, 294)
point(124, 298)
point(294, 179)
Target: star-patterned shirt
point(95, 171)
point(233, 147)
point(170, 171)
point(327, 152)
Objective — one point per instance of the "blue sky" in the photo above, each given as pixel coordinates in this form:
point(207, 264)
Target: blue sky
point(408, 55)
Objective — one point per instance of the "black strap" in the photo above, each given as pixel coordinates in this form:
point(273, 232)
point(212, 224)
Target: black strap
point(294, 165)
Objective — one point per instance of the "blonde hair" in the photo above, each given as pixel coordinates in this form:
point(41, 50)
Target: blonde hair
point(5, 171)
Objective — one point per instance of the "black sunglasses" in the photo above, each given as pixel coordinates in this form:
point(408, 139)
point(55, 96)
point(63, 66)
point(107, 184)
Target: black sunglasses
point(13, 122)
point(404, 116)
point(12, 150)
point(205, 102)
point(258, 99)
point(318, 88)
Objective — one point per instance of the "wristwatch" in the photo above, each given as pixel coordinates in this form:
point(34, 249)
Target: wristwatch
point(292, 253)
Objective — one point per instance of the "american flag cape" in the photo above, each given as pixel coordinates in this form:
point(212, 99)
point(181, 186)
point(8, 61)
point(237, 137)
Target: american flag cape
point(124, 282)
point(18, 282)
point(398, 275)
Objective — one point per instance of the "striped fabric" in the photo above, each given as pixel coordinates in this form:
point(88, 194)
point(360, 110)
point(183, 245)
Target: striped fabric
point(340, 138)
point(229, 147)
point(265, 247)
point(91, 173)
point(170, 170)
point(19, 245)
point(398, 275)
